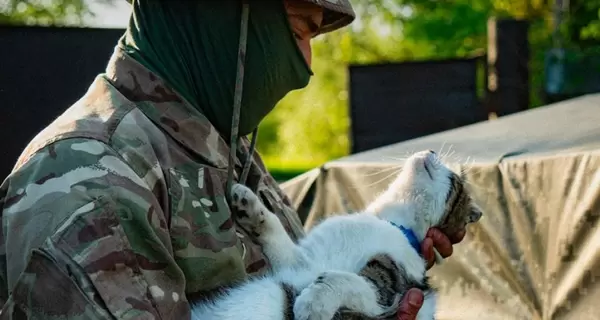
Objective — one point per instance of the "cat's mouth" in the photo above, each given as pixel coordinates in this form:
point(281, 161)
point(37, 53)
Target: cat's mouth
point(427, 169)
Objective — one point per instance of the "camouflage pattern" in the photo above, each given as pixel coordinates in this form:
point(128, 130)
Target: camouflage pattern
point(117, 209)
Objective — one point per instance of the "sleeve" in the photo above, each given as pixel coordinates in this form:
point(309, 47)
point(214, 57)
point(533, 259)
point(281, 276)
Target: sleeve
point(84, 237)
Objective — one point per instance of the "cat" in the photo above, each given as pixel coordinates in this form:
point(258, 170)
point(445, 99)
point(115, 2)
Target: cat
point(355, 266)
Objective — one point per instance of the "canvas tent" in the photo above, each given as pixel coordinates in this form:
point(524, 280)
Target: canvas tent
point(536, 252)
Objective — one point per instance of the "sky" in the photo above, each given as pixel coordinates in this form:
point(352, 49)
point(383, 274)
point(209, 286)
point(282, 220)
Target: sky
point(109, 16)
point(116, 15)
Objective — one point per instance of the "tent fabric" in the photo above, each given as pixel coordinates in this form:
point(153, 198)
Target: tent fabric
point(536, 252)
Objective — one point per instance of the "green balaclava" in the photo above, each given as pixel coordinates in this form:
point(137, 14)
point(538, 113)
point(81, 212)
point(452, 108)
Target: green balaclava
point(193, 46)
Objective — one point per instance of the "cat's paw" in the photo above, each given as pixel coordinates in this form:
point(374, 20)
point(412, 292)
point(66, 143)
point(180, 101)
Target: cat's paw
point(313, 306)
point(242, 198)
point(250, 211)
point(334, 290)
point(316, 302)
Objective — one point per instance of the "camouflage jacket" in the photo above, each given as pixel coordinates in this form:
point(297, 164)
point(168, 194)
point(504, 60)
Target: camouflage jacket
point(117, 209)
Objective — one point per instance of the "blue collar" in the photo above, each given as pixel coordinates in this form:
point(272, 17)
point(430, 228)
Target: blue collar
point(410, 235)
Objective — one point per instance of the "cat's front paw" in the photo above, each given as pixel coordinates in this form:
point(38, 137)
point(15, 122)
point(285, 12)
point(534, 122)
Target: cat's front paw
point(250, 211)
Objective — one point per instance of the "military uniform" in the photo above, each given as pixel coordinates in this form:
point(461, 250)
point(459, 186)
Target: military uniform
point(118, 208)
point(125, 195)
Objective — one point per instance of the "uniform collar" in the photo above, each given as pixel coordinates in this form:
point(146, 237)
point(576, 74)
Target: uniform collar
point(167, 109)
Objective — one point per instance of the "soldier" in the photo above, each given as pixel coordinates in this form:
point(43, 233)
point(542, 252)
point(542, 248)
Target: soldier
point(118, 209)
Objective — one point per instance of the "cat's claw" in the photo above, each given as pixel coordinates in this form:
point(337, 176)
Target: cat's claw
point(250, 211)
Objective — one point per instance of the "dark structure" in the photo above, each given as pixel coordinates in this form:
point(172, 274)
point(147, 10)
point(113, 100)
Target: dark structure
point(394, 102)
point(43, 72)
point(508, 66)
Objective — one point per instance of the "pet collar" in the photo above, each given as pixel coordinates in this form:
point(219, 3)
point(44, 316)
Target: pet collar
point(410, 235)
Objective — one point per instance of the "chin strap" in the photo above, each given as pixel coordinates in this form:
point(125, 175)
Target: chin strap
point(237, 104)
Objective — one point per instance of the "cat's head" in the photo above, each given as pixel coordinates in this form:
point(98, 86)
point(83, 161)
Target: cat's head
point(436, 192)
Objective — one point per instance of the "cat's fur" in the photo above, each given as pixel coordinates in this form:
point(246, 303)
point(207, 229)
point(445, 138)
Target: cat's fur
point(348, 266)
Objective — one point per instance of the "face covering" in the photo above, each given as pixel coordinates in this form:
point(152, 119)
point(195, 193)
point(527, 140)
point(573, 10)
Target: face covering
point(193, 46)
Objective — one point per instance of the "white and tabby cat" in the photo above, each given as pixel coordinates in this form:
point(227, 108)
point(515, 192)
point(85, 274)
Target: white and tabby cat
point(354, 266)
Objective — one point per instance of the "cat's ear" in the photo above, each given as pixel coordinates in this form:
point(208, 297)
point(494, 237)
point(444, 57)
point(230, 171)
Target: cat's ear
point(475, 213)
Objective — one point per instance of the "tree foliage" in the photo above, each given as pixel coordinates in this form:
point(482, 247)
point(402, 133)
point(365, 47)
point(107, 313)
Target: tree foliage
point(583, 22)
point(46, 12)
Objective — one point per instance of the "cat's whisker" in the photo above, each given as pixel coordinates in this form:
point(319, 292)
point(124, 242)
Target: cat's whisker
point(378, 181)
point(401, 158)
point(442, 148)
point(472, 161)
point(477, 186)
point(450, 154)
point(472, 169)
point(443, 158)
point(398, 159)
point(464, 170)
point(380, 171)
point(468, 159)
point(464, 164)
point(445, 154)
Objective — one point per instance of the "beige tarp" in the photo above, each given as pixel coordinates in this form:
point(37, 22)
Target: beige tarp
point(536, 252)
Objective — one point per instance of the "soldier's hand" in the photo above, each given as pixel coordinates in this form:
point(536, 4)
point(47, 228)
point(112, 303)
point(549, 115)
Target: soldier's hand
point(413, 300)
point(443, 243)
point(410, 305)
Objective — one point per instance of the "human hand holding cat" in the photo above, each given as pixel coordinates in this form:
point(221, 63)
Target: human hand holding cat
point(410, 305)
point(435, 238)
point(412, 302)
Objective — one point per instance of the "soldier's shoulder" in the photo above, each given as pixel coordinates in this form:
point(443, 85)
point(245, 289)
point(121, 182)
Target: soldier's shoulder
point(94, 116)
point(101, 117)
point(64, 160)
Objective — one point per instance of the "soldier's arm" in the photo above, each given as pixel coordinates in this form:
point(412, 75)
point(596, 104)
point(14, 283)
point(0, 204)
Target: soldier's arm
point(85, 237)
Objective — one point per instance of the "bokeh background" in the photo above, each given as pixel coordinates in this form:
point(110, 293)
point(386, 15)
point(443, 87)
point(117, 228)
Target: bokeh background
point(311, 126)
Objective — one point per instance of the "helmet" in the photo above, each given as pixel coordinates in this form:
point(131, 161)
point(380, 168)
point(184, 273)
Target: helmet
point(337, 14)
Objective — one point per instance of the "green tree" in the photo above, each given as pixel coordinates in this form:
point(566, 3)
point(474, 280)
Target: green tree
point(583, 22)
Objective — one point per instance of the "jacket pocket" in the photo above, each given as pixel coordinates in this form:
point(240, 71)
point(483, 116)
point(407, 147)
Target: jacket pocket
point(111, 251)
point(47, 290)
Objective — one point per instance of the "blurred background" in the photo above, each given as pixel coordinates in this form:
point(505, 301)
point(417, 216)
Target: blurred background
point(454, 62)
